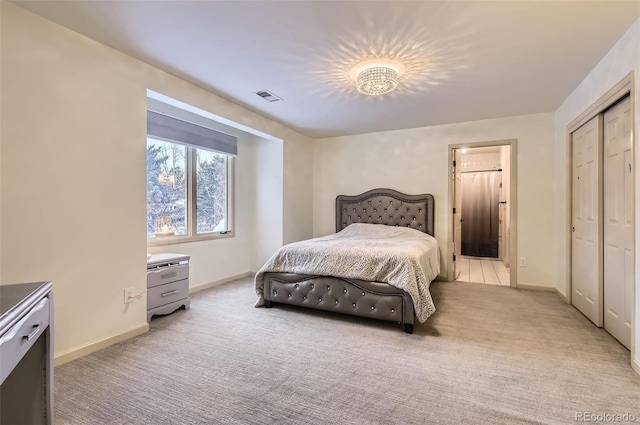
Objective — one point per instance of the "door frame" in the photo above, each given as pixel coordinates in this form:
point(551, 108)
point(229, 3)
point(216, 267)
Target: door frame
point(626, 86)
point(513, 246)
point(613, 95)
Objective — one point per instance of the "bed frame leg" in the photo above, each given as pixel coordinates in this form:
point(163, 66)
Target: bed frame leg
point(408, 328)
point(267, 303)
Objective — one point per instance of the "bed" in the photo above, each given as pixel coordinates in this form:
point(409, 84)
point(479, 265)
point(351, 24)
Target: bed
point(378, 264)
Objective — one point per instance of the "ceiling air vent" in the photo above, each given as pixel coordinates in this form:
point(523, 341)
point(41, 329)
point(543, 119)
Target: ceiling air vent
point(268, 96)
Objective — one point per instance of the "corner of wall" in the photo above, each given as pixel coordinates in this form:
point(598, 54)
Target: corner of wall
point(635, 365)
point(77, 352)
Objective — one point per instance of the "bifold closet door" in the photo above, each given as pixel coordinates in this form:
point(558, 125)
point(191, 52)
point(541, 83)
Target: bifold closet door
point(618, 222)
point(586, 240)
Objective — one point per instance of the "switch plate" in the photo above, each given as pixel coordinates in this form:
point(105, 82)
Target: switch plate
point(523, 261)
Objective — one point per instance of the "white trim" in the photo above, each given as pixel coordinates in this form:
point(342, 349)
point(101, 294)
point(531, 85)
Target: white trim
point(610, 97)
point(92, 347)
point(513, 199)
point(536, 287)
point(562, 295)
point(218, 282)
point(173, 240)
point(605, 101)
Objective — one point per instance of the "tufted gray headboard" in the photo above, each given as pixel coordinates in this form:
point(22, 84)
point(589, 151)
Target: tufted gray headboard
point(388, 207)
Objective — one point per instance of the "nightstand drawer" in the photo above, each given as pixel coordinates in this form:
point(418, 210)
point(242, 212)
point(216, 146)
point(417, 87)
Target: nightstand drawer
point(165, 294)
point(167, 275)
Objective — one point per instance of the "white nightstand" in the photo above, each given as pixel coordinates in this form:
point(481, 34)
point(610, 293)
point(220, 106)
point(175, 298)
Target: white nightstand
point(167, 283)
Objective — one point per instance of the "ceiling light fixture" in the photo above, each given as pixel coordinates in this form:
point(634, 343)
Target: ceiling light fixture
point(376, 77)
point(377, 80)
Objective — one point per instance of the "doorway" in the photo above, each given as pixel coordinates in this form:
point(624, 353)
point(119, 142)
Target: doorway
point(482, 223)
point(481, 205)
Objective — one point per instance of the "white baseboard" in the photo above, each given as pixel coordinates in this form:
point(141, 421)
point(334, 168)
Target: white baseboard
point(219, 282)
point(635, 365)
point(534, 287)
point(76, 353)
point(562, 295)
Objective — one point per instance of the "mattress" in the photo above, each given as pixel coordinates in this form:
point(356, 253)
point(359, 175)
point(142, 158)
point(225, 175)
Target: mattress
point(399, 256)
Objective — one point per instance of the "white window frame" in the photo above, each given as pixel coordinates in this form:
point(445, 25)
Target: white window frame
point(191, 199)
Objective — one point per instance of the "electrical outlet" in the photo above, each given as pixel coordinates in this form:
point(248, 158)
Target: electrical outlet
point(523, 261)
point(128, 295)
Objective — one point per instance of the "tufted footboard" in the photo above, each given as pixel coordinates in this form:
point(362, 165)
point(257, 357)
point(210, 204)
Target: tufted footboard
point(350, 296)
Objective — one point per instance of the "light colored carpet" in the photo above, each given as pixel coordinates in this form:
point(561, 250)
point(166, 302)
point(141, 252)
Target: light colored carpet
point(490, 355)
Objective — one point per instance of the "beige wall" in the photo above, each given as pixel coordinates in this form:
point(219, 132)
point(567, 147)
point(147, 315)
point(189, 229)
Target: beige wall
point(267, 212)
point(72, 161)
point(298, 211)
point(73, 176)
point(230, 253)
point(623, 58)
point(416, 161)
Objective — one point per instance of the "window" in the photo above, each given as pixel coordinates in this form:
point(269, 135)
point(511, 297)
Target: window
point(166, 188)
point(188, 180)
point(211, 191)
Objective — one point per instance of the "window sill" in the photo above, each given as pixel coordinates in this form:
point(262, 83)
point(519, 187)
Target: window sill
point(173, 240)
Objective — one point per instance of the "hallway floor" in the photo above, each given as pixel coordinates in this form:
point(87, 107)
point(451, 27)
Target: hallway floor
point(483, 271)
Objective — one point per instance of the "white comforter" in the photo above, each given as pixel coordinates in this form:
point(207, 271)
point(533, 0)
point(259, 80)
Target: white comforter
point(400, 256)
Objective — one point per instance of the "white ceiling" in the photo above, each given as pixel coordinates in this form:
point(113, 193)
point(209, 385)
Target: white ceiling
point(465, 60)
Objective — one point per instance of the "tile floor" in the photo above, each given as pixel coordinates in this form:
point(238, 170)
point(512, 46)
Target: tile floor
point(483, 271)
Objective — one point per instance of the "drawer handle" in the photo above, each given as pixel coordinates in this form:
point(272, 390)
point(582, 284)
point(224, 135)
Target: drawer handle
point(168, 293)
point(34, 332)
point(165, 276)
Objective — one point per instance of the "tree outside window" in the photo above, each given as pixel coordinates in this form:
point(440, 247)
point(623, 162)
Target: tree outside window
point(169, 201)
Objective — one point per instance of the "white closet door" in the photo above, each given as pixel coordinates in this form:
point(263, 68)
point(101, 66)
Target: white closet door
point(618, 222)
point(586, 256)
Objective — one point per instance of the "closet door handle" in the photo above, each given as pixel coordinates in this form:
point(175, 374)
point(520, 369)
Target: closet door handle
point(503, 202)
